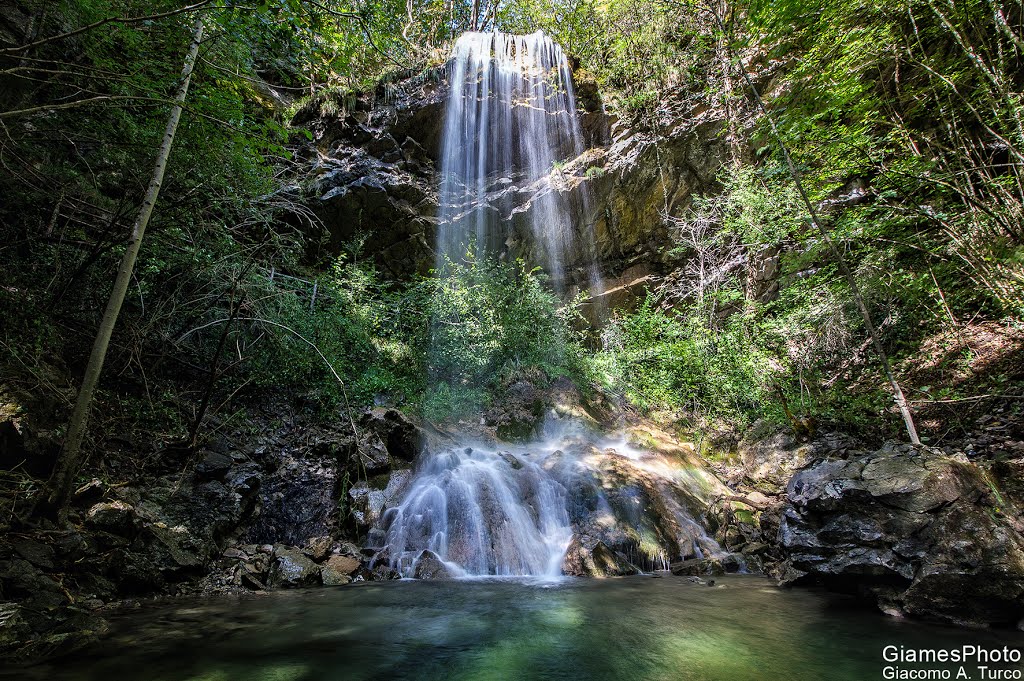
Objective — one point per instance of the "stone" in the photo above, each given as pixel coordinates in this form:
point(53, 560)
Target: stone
point(594, 559)
point(214, 465)
point(318, 548)
point(339, 570)
point(697, 566)
point(912, 528)
point(511, 460)
point(184, 549)
point(37, 553)
point(401, 437)
point(373, 455)
point(89, 492)
point(755, 548)
point(116, 517)
point(292, 569)
point(428, 565)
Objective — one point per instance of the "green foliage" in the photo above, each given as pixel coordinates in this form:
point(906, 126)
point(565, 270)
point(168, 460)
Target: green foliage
point(660, 361)
point(492, 323)
point(638, 50)
point(762, 207)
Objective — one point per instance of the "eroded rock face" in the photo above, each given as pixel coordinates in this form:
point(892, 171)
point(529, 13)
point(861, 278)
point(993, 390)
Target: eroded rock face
point(375, 173)
point(918, 530)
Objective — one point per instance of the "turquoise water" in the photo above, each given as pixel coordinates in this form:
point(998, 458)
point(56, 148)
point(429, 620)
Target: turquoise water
point(642, 627)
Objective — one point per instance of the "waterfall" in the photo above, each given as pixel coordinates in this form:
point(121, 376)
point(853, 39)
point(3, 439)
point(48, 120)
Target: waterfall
point(489, 509)
point(510, 124)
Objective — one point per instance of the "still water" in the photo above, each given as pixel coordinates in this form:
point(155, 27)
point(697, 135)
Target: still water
point(644, 627)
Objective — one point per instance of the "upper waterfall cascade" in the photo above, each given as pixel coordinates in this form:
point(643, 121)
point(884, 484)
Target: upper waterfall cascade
point(510, 123)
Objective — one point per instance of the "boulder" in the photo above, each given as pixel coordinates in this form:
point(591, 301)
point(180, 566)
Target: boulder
point(182, 548)
point(586, 559)
point(318, 548)
point(400, 436)
point(339, 570)
point(115, 517)
point(291, 568)
point(213, 465)
point(913, 527)
point(720, 565)
point(37, 553)
point(428, 565)
point(373, 455)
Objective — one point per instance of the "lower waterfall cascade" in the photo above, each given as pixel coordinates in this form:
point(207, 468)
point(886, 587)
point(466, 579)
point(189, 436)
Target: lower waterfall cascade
point(486, 508)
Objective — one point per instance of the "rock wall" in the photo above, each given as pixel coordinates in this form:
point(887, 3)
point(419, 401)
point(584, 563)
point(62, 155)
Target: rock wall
point(924, 533)
point(251, 511)
point(917, 531)
point(374, 172)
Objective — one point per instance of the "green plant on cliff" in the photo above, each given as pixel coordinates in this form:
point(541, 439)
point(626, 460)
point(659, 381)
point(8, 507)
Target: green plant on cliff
point(663, 361)
point(493, 323)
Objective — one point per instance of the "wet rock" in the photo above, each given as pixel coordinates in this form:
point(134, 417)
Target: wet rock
point(429, 566)
point(318, 548)
point(339, 570)
point(213, 465)
point(370, 499)
point(116, 517)
point(400, 436)
point(697, 566)
point(291, 568)
point(912, 528)
point(511, 460)
point(586, 559)
point(720, 565)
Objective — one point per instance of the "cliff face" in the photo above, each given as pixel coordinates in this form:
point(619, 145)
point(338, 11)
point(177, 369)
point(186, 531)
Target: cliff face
point(374, 175)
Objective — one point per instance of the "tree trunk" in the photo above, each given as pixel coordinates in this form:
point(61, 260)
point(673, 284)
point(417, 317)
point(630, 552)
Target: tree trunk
point(901, 400)
point(71, 457)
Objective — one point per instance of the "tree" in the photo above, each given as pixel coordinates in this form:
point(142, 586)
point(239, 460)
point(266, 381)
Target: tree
point(71, 456)
point(883, 357)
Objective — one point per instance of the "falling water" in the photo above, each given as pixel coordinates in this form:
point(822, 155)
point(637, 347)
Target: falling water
point(490, 509)
point(510, 124)
point(487, 508)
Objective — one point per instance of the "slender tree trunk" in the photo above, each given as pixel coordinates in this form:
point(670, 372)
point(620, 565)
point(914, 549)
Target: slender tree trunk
point(901, 400)
point(71, 457)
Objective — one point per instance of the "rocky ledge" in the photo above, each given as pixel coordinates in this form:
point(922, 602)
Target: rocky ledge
point(921, 532)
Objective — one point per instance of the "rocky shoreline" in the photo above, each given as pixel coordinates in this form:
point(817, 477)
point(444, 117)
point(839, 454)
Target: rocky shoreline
point(917, 532)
